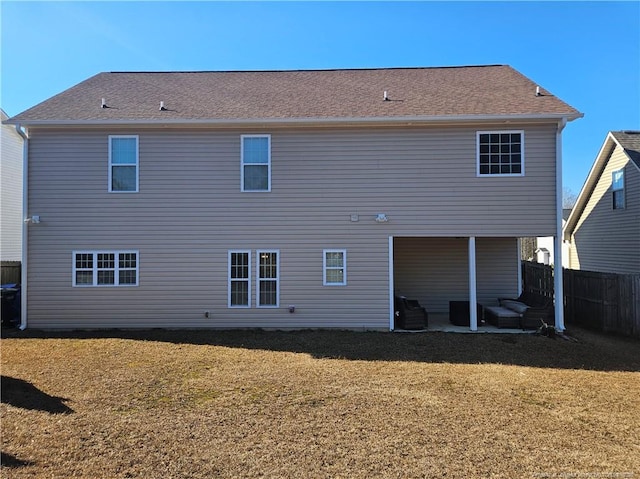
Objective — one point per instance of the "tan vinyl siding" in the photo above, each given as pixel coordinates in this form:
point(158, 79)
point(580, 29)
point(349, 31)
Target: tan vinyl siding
point(190, 212)
point(605, 239)
point(11, 194)
point(436, 270)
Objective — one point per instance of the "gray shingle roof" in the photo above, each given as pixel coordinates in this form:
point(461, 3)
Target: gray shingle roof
point(630, 141)
point(448, 92)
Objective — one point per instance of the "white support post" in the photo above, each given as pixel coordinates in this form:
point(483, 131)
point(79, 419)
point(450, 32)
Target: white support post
point(473, 307)
point(392, 307)
point(519, 263)
point(557, 241)
point(558, 284)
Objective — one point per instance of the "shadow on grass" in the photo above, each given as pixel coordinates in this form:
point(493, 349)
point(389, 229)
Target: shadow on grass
point(22, 394)
point(9, 460)
point(592, 351)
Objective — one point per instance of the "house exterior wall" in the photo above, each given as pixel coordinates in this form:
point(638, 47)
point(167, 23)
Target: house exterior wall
point(11, 193)
point(436, 270)
point(190, 212)
point(605, 239)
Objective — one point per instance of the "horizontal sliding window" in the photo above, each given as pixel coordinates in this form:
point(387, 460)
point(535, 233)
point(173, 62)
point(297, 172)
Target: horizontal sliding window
point(500, 153)
point(105, 268)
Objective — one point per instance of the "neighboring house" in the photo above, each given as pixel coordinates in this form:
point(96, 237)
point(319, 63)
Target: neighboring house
point(545, 248)
point(11, 192)
point(604, 227)
point(285, 199)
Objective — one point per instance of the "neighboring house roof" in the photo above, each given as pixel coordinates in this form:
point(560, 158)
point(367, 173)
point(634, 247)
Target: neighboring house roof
point(629, 142)
point(414, 94)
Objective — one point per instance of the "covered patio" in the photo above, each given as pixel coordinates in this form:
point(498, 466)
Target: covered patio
point(439, 322)
point(447, 274)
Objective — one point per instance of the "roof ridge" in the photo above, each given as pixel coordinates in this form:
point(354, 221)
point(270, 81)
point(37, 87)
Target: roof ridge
point(316, 69)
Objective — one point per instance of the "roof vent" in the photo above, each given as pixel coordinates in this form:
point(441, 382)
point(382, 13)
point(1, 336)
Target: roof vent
point(386, 96)
point(162, 108)
point(104, 103)
point(538, 91)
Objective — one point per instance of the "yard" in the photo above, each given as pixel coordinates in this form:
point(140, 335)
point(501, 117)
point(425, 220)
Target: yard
point(315, 404)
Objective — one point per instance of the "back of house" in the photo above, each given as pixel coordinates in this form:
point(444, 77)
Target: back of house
point(284, 199)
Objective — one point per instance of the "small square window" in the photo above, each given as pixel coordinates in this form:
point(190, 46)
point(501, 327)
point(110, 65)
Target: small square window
point(500, 153)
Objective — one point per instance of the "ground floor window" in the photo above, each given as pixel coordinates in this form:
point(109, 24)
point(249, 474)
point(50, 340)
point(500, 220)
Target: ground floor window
point(268, 279)
point(105, 268)
point(334, 265)
point(239, 279)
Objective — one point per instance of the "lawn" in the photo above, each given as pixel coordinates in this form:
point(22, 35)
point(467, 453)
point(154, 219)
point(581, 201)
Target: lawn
point(318, 404)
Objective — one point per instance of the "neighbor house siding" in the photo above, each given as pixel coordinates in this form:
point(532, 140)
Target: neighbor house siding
point(605, 239)
point(436, 270)
point(190, 211)
point(11, 193)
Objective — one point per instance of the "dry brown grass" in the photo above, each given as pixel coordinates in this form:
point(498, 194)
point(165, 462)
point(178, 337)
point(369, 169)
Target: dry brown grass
point(169, 404)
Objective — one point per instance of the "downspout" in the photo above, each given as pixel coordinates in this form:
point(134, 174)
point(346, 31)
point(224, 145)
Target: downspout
point(557, 247)
point(25, 231)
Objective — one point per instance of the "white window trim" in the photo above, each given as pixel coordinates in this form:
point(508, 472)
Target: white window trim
point(325, 268)
point(268, 164)
point(229, 280)
point(95, 268)
point(493, 175)
point(614, 190)
point(137, 164)
point(276, 280)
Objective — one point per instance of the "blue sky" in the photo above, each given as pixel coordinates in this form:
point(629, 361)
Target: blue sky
point(586, 53)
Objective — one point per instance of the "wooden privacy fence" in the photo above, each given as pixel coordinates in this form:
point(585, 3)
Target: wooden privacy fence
point(10, 272)
point(537, 278)
point(602, 301)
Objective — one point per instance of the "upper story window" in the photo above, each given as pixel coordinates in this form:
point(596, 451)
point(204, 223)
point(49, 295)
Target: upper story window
point(105, 268)
point(617, 187)
point(256, 162)
point(334, 265)
point(500, 153)
point(123, 163)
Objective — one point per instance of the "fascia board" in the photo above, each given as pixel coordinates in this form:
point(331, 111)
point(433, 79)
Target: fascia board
point(403, 120)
